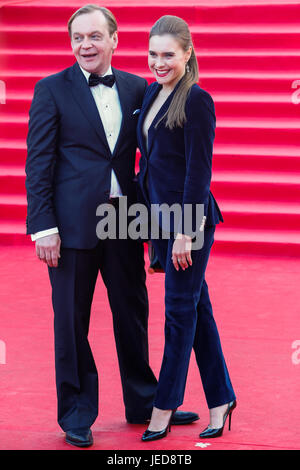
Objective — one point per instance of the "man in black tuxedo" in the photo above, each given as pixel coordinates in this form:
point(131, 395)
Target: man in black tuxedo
point(81, 153)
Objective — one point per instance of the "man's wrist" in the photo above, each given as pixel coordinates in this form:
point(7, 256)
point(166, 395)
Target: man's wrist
point(44, 233)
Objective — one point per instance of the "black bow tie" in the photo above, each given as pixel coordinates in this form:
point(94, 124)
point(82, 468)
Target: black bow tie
point(107, 80)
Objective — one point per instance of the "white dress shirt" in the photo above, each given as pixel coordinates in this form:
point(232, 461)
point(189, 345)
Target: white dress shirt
point(108, 105)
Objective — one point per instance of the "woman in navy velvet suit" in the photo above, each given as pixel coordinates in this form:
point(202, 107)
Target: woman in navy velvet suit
point(176, 132)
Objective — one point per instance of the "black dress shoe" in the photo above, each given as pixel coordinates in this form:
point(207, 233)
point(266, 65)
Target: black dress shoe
point(179, 417)
point(137, 420)
point(79, 437)
point(184, 417)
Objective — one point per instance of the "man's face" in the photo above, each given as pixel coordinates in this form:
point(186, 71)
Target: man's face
point(91, 42)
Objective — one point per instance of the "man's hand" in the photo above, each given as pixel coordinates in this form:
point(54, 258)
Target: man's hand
point(48, 249)
point(181, 252)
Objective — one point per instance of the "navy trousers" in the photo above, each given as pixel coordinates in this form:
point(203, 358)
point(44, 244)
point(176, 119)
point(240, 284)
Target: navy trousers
point(121, 264)
point(189, 323)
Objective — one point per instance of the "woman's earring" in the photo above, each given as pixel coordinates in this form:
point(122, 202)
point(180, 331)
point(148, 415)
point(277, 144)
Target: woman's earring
point(187, 67)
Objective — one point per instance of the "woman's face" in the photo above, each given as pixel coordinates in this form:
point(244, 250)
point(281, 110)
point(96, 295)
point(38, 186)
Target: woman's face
point(167, 60)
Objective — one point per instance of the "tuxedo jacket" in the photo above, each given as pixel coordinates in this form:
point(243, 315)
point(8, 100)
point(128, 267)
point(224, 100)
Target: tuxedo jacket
point(176, 165)
point(69, 162)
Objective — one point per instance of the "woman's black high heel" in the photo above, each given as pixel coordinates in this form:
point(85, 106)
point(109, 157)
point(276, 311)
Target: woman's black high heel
point(155, 435)
point(217, 432)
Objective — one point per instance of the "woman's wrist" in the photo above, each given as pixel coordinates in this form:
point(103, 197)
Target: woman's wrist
point(181, 236)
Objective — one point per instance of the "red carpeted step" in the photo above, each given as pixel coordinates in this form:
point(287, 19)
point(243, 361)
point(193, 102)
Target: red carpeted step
point(213, 39)
point(259, 163)
point(255, 191)
point(13, 207)
point(135, 62)
point(248, 58)
point(264, 220)
point(274, 109)
point(227, 83)
point(12, 156)
point(13, 233)
point(201, 12)
point(227, 131)
point(259, 242)
point(12, 181)
point(257, 109)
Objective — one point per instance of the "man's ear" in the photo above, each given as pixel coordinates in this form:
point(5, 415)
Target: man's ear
point(115, 40)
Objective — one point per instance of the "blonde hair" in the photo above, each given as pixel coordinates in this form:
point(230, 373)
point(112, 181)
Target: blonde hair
point(110, 18)
point(178, 28)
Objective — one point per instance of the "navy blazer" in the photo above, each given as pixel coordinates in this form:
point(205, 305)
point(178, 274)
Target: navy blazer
point(69, 161)
point(177, 165)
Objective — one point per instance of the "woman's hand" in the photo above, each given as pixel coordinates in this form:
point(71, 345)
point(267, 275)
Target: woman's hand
point(181, 252)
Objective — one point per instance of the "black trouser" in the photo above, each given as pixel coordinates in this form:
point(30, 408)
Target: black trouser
point(121, 263)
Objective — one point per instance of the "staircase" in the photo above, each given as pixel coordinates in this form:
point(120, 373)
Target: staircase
point(249, 61)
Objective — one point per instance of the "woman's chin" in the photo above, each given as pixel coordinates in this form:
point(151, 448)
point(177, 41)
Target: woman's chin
point(163, 81)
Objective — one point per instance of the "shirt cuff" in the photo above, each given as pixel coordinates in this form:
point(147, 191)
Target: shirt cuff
point(44, 233)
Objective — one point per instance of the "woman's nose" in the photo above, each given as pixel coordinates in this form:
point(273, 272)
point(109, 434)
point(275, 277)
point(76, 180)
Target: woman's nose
point(159, 62)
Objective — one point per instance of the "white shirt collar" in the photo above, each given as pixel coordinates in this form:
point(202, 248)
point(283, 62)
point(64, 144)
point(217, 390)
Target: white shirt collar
point(87, 74)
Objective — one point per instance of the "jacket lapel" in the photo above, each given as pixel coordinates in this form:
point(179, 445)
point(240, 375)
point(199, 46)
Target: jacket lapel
point(124, 92)
point(82, 94)
point(152, 129)
point(145, 108)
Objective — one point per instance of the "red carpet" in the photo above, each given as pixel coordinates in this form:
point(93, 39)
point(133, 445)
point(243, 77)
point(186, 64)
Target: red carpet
point(256, 304)
point(248, 55)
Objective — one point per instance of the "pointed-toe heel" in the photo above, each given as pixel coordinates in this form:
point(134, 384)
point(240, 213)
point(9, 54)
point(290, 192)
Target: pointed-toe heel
point(155, 435)
point(210, 433)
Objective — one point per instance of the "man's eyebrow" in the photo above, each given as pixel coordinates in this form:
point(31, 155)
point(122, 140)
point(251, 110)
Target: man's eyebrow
point(93, 32)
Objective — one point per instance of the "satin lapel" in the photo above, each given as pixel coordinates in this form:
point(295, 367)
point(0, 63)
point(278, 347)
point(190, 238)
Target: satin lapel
point(82, 94)
point(124, 92)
